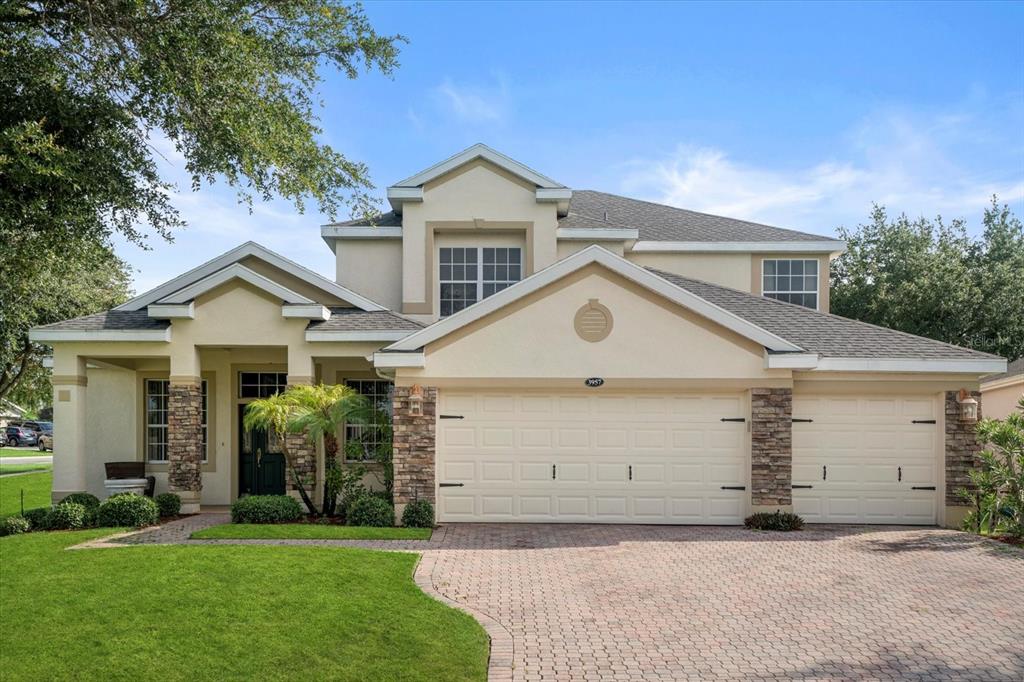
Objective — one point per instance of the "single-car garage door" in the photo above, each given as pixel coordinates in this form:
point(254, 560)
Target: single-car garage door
point(592, 457)
point(865, 459)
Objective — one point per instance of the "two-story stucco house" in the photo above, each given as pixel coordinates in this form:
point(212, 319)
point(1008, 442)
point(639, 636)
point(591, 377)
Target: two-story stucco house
point(551, 355)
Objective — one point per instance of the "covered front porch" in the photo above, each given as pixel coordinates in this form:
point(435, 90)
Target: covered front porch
point(181, 415)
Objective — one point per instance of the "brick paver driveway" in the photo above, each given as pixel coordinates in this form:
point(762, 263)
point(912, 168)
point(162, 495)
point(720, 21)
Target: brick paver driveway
point(648, 602)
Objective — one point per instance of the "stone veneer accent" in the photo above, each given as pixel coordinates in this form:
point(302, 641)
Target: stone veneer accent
point(771, 447)
point(962, 448)
point(414, 447)
point(303, 454)
point(185, 441)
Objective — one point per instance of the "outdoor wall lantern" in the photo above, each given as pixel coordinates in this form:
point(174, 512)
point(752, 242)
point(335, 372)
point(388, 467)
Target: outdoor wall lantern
point(968, 406)
point(416, 400)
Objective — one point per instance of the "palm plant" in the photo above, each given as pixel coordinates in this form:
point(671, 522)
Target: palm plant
point(998, 492)
point(313, 411)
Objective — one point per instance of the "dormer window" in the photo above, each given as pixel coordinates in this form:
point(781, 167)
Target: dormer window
point(471, 274)
point(792, 281)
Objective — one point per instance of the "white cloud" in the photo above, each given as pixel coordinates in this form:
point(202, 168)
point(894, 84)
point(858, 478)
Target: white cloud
point(892, 159)
point(476, 104)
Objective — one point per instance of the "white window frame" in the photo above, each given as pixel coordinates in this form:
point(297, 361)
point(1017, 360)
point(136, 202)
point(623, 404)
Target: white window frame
point(359, 430)
point(817, 280)
point(480, 280)
point(204, 426)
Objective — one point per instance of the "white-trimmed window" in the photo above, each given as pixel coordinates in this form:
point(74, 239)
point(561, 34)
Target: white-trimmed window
point(471, 274)
point(363, 440)
point(261, 384)
point(157, 396)
point(791, 280)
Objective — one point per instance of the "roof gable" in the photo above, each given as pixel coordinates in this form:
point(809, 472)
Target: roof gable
point(480, 151)
point(234, 256)
point(583, 258)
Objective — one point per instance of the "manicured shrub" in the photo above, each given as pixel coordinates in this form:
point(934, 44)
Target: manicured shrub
point(418, 514)
point(168, 504)
point(37, 517)
point(128, 511)
point(67, 516)
point(14, 525)
point(370, 510)
point(85, 499)
point(265, 509)
point(777, 520)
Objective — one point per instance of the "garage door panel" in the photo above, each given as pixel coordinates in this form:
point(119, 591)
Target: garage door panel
point(874, 454)
point(616, 457)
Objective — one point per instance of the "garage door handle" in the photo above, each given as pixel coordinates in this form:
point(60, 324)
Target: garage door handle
point(805, 421)
point(803, 486)
point(450, 485)
point(923, 421)
point(733, 419)
point(922, 487)
point(734, 487)
point(450, 416)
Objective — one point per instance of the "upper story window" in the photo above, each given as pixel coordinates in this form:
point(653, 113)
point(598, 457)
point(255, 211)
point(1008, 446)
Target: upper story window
point(792, 281)
point(471, 274)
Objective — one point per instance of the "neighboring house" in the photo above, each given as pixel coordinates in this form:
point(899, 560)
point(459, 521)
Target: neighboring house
point(1002, 392)
point(550, 355)
point(10, 412)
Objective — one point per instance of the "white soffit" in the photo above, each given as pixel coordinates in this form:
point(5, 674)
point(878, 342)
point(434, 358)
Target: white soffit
point(327, 335)
point(167, 311)
point(239, 253)
point(580, 259)
point(397, 360)
point(350, 232)
point(596, 233)
point(302, 311)
point(49, 335)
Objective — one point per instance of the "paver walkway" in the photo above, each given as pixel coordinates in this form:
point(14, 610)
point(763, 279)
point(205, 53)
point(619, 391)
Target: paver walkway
point(675, 602)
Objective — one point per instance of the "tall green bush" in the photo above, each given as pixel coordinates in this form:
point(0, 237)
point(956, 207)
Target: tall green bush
point(997, 497)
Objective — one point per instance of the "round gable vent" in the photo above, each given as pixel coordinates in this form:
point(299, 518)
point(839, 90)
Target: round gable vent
point(593, 322)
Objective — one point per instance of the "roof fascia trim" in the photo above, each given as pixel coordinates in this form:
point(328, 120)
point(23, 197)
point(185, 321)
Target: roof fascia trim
point(949, 366)
point(398, 360)
point(648, 246)
point(325, 335)
point(233, 256)
point(597, 233)
point(584, 257)
point(51, 335)
point(339, 232)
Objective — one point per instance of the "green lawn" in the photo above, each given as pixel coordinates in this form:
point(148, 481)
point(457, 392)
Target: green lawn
point(18, 468)
point(224, 613)
point(31, 452)
point(308, 531)
point(37, 492)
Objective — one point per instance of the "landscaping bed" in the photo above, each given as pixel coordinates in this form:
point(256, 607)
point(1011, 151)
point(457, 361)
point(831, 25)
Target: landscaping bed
point(223, 613)
point(307, 531)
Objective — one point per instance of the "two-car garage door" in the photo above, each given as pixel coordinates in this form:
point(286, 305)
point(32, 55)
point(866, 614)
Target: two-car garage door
point(592, 457)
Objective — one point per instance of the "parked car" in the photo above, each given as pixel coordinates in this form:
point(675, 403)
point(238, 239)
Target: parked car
point(45, 441)
point(20, 435)
point(33, 425)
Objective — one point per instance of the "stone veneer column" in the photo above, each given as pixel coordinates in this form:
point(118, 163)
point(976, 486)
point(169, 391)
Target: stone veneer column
point(771, 449)
point(303, 453)
point(962, 448)
point(185, 443)
point(414, 448)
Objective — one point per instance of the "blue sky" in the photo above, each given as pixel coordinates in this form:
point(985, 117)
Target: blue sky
point(798, 115)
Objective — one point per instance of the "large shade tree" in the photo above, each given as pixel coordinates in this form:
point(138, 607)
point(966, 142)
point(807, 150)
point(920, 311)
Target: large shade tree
point(929, 277)
point(92, 89)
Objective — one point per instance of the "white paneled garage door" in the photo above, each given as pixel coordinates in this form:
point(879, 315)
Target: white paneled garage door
point(865, 459)
point(591, 457)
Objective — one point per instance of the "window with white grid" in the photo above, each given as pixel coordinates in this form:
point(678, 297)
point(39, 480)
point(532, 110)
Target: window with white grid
point(363, 440)
point(157, 395)
point(471, 274)
point(792, 281)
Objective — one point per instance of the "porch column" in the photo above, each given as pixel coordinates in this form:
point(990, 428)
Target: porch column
point(414, 446)
point(185, 429)
point(301, 372)
point(962, 448)
point(69, 415)
point(771, 449)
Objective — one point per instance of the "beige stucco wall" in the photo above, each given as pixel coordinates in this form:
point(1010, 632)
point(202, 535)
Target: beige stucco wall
point(1000, 398)
point(651, 340)
point(372, 268)
point(480, 192)
point(728, 269)
point(296, 284)
point(567, 247)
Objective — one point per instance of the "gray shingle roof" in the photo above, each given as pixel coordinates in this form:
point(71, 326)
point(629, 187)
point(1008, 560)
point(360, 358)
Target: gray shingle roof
point(657, 222)
point(354, 319)
point(120, 320)
point(822, 333)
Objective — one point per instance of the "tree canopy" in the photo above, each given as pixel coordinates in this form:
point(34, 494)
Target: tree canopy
point(930, 278)
point(92, 89)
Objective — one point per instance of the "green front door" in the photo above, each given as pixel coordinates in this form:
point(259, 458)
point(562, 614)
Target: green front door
point(261, 467)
